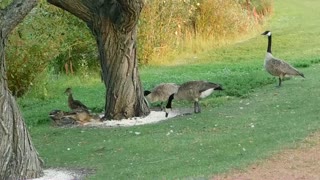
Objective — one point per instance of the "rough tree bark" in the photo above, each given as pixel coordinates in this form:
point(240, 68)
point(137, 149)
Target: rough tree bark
point(18, 157)
point(113, 23)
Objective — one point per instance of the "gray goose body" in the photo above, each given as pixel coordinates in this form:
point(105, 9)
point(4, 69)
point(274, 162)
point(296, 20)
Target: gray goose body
point(193, 91)
point(275, 66)
point(161, 92)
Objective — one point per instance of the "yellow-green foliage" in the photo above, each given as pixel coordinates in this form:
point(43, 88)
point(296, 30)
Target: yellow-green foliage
point(262, 7)
point(161, 26)
point(167, 28)
point(30, 47)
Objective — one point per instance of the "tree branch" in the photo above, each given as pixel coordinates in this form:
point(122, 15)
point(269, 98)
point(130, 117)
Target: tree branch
point(83, 9)
point(14, 13)
point(131, 12)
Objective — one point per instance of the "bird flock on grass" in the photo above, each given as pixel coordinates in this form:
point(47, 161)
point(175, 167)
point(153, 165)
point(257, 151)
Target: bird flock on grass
point(78, 114)
point(195, 90)
point(192, 91)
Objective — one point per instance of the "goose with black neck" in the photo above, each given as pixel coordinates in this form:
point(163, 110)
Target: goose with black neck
point(278, 67)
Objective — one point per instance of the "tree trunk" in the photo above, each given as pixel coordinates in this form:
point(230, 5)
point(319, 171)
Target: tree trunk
point(120, 72)
point(18, 157)
point(113, 22)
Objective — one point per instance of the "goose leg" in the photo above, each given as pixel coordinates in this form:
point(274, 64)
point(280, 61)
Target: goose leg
point(169, 104)
point(197, 108)
point(280, 81)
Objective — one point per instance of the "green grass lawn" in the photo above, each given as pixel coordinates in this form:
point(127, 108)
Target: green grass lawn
point(248, 122)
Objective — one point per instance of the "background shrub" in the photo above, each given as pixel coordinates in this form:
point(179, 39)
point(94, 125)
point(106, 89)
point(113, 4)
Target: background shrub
point(49, 38)
point(46, 40)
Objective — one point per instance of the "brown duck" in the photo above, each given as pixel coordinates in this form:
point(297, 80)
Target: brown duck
point(83, 116)
point(74, 104)
point(72, 118)
point(60, 118)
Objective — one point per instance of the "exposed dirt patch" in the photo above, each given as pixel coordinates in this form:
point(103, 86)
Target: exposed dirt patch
point(300, 163)
point(153, 117)
point(74, 119)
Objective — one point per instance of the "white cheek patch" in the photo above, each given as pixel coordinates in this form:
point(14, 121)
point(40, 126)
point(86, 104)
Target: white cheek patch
point(206, 93)
point(269, 33)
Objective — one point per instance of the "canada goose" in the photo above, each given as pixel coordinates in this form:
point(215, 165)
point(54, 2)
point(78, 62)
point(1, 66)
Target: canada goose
point(161, 93)
point(193, 91)
point(277, 67)
point(74, 104)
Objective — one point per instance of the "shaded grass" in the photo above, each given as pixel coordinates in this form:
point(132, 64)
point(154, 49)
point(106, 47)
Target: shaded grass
point(249, 121)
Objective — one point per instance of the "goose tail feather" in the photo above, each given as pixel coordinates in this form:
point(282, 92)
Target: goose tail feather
point(294, 71)
point(301, 74)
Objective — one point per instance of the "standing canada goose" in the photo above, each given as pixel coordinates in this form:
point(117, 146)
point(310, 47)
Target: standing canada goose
point(193, 91)
point(161, 93)
point(277, 67)
point(74, 104)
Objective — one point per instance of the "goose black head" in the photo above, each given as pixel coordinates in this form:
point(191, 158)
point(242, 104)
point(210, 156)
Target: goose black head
point(146, 93)
point(267, 33)
point(219, 88)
